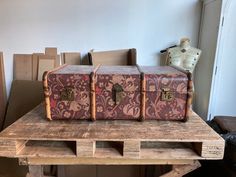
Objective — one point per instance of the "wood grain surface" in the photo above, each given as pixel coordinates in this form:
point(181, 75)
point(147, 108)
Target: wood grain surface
point(148, 140)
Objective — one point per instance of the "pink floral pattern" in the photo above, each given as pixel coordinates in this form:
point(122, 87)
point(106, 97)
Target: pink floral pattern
point(78, 80)
point(166, 110)
point(79, 108)
point(128, 108)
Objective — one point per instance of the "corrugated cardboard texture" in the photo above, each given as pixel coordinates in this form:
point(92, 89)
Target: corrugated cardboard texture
point(22, 67)
point(24, 96)
point(115, 57)
point(3, 95)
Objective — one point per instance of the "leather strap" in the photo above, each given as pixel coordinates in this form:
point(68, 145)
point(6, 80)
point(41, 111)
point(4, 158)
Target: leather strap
point(143, 95)
point(47, 91)
point(93, 93)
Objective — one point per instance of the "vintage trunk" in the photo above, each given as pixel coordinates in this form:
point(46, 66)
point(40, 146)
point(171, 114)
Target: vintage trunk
point(67, 92)
point(167, 93)
point(118, 92)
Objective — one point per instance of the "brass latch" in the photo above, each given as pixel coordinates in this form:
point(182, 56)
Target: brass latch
point(117, 93)
point(167, 94)
point(67, 94)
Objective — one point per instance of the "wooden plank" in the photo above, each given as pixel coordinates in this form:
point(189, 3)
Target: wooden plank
point(22, 67)
point(181, 170)
point(101, 161)
point(194, 130)
point(131, 133)
point(46, 63)
point(71, 58)
point(3, 94)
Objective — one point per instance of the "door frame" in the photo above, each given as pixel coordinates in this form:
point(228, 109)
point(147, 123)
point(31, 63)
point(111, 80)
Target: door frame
point(218, 57)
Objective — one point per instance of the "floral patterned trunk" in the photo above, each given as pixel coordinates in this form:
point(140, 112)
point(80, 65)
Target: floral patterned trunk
point(67, 92)
point(118, 92)
point(117, 82)
point(166, 93)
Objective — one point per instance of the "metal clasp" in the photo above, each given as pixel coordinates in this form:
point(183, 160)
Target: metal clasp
point(67, 94)
point(117, 93)
point(167, 94)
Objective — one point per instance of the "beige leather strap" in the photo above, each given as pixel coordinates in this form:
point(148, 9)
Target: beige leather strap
point(93, 93)
point(47, 92)
point(143, 96)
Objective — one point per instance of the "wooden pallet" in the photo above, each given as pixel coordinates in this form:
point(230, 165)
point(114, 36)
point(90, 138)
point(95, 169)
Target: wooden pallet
point(33, 138)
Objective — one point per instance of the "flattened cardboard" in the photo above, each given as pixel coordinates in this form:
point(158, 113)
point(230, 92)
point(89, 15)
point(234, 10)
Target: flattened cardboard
point(22, 67)
point(51, 51)
point(115, 57)
point(24, 96)
point(35, 61)
point(58, 61)
point(3, 94)
point(71, 58)
point(45, 63)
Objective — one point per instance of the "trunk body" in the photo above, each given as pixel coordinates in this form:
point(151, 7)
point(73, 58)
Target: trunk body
point(166, 93)
point(68, 91)
point(118, 92)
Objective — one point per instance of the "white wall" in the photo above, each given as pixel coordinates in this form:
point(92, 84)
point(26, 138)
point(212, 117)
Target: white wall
point(27, 26)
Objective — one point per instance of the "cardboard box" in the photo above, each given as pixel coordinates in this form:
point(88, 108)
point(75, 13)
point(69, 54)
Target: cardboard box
point(114, 57)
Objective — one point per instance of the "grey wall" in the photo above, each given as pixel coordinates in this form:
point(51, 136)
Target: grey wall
point(28, 26)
